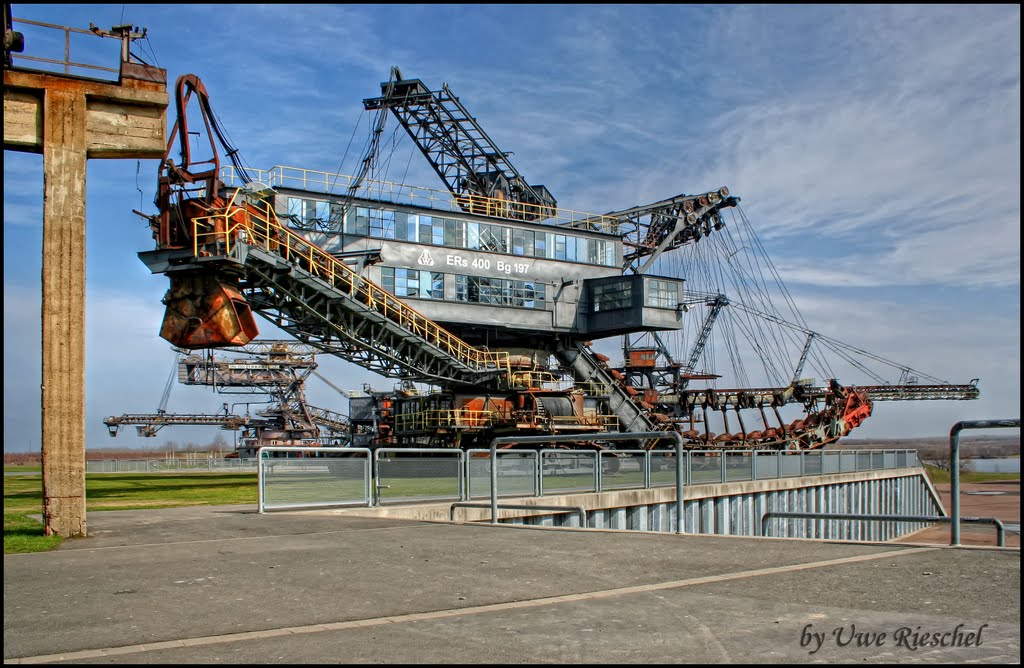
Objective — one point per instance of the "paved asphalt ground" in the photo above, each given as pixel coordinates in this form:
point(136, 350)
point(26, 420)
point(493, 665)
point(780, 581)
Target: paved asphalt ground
point(999, 499)
point(224, 584)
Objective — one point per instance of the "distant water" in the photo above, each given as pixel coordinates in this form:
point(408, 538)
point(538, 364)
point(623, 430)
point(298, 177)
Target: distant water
point(997, 465)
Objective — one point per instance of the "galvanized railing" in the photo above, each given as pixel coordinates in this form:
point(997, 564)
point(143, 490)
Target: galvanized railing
point(66, 62)
point(459, 418)
point(954, 465)
point(290, 477)
point(401, 475)
point(465, 419)
point(541, 379)
point(153, 465)
point(606, 422)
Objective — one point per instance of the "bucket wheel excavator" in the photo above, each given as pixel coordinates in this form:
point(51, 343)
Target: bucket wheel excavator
point(495, 299)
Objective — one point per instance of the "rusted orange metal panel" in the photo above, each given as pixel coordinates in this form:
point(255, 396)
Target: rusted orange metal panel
point(204, 312)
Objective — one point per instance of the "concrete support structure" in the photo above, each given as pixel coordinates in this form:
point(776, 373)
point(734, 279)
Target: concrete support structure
point(63, 305)
point(70, 119)
point(732, 508)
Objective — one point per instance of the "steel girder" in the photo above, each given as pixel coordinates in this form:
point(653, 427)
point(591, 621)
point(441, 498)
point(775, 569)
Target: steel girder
point(314, 312)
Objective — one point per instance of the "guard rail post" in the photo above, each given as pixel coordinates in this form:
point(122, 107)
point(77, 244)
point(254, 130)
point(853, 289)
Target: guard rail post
point(259, 480)
point(782, 514)
point(603, 436)
point(954, 466)
point(680, 481)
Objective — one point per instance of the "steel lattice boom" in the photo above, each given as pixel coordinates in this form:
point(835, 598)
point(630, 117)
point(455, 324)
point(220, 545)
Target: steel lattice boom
point(461, 153)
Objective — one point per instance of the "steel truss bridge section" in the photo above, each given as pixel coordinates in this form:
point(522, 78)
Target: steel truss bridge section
point(152, 422)
point(321, 301)
point(921, 392)
point(253, 375)
point(652, 229)
point(297, 415)
point(275, 348)
point(320, 315)
point(334, 423)
point(778, 396)
point(461, 153)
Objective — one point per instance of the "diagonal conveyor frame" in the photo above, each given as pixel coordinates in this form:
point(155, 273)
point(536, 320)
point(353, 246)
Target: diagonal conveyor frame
point(323, 302)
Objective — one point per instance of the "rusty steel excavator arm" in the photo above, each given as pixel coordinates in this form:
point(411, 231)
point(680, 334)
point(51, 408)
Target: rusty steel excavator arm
point(203, 310)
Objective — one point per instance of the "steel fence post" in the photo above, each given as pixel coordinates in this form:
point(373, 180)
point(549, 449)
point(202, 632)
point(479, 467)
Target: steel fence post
point(680, 481)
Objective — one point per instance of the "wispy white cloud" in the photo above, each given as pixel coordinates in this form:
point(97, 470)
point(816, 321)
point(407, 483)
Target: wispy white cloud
point(902, 154)
point(23, 190)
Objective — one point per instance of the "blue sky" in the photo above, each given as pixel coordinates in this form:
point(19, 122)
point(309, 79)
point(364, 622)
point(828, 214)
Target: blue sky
point(876, 150)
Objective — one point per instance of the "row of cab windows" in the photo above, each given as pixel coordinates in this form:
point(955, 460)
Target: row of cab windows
point(423, 284)
point(617, 295)
point(438, 231)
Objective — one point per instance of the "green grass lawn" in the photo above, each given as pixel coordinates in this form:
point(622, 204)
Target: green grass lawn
point(25, 534)
point(23, 497)
point(940, 475)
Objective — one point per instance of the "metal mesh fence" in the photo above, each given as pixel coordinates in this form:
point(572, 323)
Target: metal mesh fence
point(517, 473)
point(705, 468)
point(789, 464)
point(624, 470)
point(294, 477)
point(766, 465)
point(566, 471)
point(423, 474)
point(739, 466)
point(168, 465)
point(812, 463)
point(663, 468)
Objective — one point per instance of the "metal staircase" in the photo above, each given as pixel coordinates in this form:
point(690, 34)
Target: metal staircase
point(320, 300)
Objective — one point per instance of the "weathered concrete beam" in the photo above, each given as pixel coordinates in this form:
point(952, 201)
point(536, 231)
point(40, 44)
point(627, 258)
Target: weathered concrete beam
point(126, 120)
point(23, 120)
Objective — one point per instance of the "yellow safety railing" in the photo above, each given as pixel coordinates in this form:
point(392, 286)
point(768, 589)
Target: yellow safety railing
point(606, 422)
point(540, 379)
point(590, 387)
point(263, 229)
point(474, 419)
point(445, 419)
point(339, 184)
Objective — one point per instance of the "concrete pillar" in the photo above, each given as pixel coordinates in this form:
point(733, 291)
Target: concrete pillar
point(63, 306)
point(68, 120)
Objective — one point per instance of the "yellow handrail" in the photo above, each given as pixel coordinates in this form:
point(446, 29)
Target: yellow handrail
point(605, 421)
point(267, 232)
point(454, 418)
point(540, 379)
